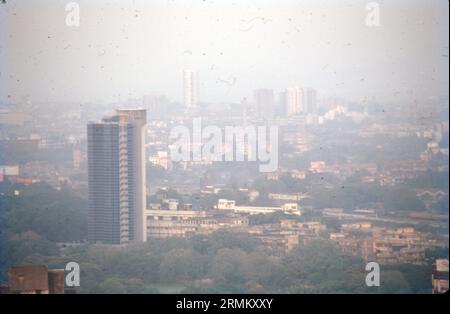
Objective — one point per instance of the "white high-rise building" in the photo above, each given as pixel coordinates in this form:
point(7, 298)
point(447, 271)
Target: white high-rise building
point(301, 101)
point(190, 82)
point(295, 101)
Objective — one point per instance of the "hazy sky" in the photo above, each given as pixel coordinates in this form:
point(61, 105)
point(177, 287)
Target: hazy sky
point(126, 49)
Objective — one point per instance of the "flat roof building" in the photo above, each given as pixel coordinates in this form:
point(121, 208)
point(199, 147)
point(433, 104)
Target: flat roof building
point(439, 276)
point(116, 176)
point(35, 279)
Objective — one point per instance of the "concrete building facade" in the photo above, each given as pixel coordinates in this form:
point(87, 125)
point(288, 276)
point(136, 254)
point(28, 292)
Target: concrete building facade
point(117, 179)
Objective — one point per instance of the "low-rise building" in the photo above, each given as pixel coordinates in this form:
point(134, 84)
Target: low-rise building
point(385, 245)
point(288, 208)
point(295, 197)
point(35, 279)
point(439, 276)
point(186, 223)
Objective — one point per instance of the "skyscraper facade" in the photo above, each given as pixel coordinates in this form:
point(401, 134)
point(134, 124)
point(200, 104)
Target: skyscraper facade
point(117, 179)
point(190, 83)
point(295, 101)
point(301, 101)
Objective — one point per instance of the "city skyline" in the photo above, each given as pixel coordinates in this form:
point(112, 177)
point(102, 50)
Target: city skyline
point(265, 45)
point(238, 148)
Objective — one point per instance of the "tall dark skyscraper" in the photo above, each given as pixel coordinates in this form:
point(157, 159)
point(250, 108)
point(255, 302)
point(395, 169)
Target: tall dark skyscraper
point(116, 174)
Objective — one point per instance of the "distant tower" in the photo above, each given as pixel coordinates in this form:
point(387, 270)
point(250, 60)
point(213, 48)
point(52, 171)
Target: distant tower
point(116, 176)
point(295, 101)
point(190, 82)
point(311, 101)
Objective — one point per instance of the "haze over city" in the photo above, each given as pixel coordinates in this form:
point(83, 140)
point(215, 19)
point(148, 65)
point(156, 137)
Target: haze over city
point(252, 149)
point(130, 48)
